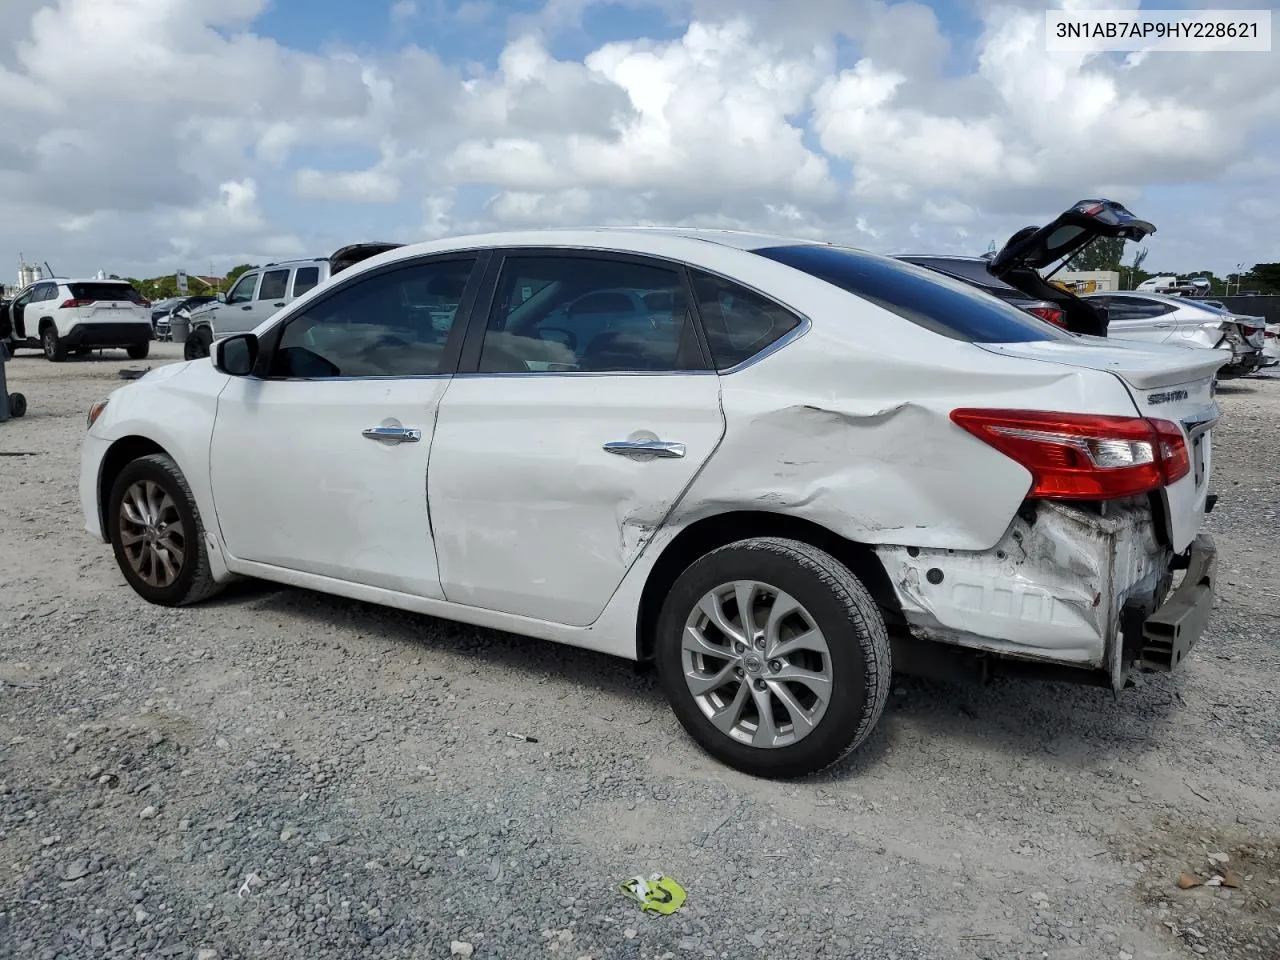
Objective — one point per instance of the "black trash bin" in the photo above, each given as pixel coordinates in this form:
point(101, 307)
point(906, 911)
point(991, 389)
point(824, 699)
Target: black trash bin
point(11, 404)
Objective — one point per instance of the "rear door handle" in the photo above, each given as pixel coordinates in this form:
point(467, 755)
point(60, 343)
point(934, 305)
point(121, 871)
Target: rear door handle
point(280, 304)
point(654, 448)
point(247, 306)
point(1164, 326)
point(393, 435)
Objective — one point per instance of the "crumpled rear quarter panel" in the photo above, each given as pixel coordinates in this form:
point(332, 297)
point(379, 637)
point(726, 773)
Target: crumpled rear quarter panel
point(1052, 589)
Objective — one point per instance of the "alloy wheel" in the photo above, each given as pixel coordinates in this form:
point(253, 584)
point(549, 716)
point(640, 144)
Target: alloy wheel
point(757, 665)
point(152, 533)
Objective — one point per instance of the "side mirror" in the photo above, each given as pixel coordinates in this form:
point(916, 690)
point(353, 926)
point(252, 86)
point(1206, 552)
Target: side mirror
point(222, 297)
point(236, 355)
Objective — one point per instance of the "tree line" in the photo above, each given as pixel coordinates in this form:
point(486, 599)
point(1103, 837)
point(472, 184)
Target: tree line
point(1107, 253)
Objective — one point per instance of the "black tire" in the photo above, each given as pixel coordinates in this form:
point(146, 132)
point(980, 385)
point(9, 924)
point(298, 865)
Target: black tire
point(17, 405)
point(54, 349)
point(197, 344)
point(138, 351)
point(194, 581)
point(842, 609)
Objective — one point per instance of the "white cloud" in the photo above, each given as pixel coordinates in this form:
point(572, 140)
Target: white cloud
point(177, 130)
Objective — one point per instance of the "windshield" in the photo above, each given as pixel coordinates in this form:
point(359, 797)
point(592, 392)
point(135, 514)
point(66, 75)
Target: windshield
point(931, 300)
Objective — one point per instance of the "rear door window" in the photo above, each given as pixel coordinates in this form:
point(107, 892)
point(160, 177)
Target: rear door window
point(274, 284)
point(935, 301)
point(304, 278)
point(569, 314)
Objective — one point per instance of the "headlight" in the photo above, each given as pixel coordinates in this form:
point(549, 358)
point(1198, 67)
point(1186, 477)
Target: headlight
point(95, 412)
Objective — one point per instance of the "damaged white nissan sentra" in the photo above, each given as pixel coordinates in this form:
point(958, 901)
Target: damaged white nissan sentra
point(752, 460)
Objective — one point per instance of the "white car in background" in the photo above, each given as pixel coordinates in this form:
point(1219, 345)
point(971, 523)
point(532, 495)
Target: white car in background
point(1163, 318)
point(771, 466)
point(62, 316)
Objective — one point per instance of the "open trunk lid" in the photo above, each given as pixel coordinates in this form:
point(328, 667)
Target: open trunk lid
point(1032, 249)
point(1166, 383)
point(353, 253)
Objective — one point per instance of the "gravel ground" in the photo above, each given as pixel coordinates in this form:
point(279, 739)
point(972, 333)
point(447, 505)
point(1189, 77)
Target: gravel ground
point(281, 774)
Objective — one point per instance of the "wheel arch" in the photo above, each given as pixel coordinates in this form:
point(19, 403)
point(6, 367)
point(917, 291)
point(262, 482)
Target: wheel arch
point(118, 456)
point(44, 323)
point(711, 533)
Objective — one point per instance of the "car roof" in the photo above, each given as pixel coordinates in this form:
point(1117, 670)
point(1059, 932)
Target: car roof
point(1145, 295)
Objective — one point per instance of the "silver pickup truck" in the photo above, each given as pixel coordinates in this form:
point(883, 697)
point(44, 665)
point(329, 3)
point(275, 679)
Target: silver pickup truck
point(260, 292)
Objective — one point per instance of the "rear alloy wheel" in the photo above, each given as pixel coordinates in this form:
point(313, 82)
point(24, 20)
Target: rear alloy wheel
point(157, 534)
point(774, 657)
point(54, 348)
point(138, 351)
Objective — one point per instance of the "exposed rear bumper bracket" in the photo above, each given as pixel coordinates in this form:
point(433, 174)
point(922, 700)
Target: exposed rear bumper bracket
point(1170, 633)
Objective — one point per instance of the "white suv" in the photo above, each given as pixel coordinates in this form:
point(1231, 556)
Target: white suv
point(76, 316)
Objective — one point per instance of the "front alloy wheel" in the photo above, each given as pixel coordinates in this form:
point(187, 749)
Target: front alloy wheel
point(157, 535)
point(152, 533)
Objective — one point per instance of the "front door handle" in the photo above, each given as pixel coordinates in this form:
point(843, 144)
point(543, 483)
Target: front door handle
point(653, 448)
point(1164, 326)
point(393, 435)
point(247, 306)
point(280, 304)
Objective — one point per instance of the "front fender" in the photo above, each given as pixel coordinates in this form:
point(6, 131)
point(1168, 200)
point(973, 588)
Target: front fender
point(174, 408)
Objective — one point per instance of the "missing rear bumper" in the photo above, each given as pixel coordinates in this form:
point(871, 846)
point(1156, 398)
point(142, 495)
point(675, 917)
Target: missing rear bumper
point(1169, 634)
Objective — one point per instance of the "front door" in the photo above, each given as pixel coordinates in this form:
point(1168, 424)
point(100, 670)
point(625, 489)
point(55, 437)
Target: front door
point(320, 464)
point(582, 411)
point(237, 314)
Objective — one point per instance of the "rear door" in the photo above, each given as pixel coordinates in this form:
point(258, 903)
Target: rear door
point(568, 434)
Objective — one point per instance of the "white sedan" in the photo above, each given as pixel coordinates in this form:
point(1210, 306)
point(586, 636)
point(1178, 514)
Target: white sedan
point(755, 461)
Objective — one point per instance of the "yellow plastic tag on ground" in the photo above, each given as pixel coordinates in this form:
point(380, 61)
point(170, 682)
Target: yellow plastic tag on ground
point(657, 894)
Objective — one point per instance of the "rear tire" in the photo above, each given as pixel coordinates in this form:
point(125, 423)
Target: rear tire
point(822, 695)
point(54, 349)
point(138, 351)
point(17, 405)
point(157, 534)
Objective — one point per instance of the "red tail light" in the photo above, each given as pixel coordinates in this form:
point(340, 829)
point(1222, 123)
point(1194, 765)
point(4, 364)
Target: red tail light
point(76, 303)
point(1053, 314)
point(144, 302)
point(1083, 457)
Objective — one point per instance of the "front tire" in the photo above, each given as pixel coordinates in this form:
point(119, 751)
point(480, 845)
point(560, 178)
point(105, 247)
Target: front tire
point(138, 351)
point(54, 349)
point(157, 534)
point(17, 405)
point(197, 344)
point(795, 685)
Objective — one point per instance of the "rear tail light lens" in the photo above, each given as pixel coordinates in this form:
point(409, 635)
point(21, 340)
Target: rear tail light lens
point(66, 304)
point(1083, 457)
point(144, 302)
point(1051, 313)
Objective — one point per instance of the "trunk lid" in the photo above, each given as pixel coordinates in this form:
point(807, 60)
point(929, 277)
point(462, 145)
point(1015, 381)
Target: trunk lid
point(1166, 383)
point(353, 253)
point(1084, 222)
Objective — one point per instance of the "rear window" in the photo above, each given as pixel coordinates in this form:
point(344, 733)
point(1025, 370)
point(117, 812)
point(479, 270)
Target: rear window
point(930, 300)
point(974, 271)
point(105, 291)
